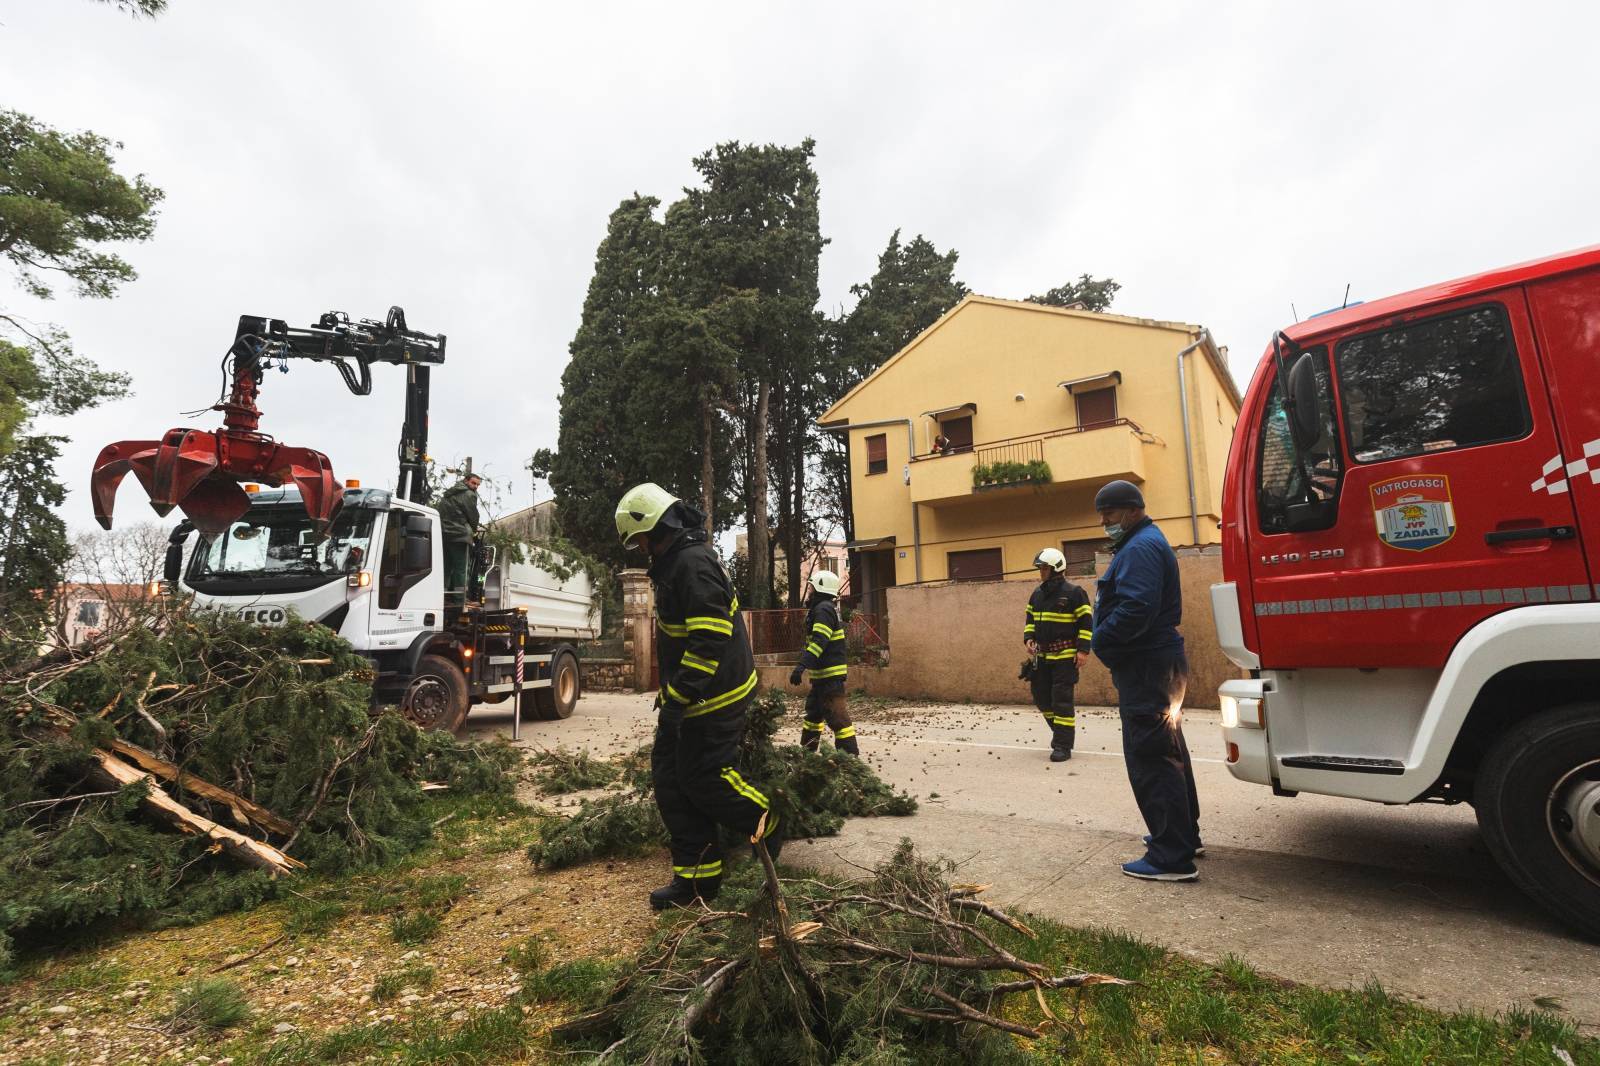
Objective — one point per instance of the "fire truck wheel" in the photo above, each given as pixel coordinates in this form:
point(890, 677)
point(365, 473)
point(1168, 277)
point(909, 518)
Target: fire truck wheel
point(558, 701)
point(1538, 803)
point(436, 697)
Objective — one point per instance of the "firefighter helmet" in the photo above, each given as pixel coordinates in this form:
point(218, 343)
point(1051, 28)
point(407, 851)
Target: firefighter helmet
point(1052, 558)
point(825, 582)
point(641, 508)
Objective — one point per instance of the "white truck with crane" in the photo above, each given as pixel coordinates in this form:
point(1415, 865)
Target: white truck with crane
point(367, 563)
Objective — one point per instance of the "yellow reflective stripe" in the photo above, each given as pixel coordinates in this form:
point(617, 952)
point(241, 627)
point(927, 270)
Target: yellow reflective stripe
point(671, 629)
point(698, 663)
point(1085, 609)
point(733, 608)
point(838, 634)
point(825, 672)
point(1073, 721)
point(811, 727)
point(818, 627)
point(1085, 634)
point(811, 646)
point(716, 703)
point(675, 694)
point(741, 786)
point(1028, 628)
point(1057, 656)
point(846, 733)
point(1055, 616)
point(705, 869)
point(710, 624)
point(1031, 611)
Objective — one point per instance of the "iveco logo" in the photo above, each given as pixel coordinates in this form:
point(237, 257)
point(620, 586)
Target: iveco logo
point(264, 616)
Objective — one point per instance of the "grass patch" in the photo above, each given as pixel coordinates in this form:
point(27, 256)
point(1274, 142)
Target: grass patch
point(312, 917)
point(580, 981)
point(488, 1036)
point(392, 983)
point(412, 929)
point(214, 1003)
point(439, 892)
point(93, 976)
point(528, 957)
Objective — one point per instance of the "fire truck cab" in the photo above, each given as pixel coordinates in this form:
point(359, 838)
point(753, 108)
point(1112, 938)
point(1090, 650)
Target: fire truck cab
point(1412, 564)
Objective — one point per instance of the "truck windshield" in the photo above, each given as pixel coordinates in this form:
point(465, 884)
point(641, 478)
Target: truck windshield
point(276, 549)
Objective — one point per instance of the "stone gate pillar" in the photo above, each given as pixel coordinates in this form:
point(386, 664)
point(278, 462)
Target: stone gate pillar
point(638, 626)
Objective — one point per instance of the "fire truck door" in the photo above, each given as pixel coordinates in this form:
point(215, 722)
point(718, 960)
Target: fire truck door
point(1566, 316)
point(1423, 522)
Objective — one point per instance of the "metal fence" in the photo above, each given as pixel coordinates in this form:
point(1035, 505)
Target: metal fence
point(783, 631)
point(1022, 451)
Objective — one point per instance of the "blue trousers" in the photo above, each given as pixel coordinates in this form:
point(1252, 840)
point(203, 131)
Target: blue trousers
point(1148, 688)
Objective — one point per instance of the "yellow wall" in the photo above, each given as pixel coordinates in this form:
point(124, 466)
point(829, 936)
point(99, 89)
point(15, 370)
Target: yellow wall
point(986, 352)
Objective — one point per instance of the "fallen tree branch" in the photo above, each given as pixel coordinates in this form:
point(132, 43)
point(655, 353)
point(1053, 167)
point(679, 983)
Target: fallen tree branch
point(1072, 980)
point(250, 852)
point(962, 903)
point(256, 954)
point(249, 809)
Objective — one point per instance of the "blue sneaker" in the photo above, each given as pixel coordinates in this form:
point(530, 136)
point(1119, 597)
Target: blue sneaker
point(1199, 852)
point(1147, 871)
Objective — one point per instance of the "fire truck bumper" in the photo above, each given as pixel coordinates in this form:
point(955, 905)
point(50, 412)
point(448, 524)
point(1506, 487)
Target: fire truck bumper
point(1244, 730)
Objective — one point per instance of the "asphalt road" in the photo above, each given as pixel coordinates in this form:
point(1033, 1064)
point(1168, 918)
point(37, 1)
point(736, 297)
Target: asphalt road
point(1328, 891)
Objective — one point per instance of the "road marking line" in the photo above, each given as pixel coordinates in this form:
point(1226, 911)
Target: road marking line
point(1026, 747)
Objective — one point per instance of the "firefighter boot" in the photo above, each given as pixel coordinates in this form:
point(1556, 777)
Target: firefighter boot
point(811, 736)
point(684, 892)
point(1061, 737)
point(845, 741)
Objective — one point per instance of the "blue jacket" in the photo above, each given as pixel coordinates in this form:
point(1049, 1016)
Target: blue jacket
point(1140, 601)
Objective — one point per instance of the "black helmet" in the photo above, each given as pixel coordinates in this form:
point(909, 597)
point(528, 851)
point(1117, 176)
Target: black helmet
point(1119, 494)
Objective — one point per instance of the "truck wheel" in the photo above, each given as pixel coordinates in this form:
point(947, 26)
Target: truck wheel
point(436, 696)
point(556, 702)
point(1538, 803)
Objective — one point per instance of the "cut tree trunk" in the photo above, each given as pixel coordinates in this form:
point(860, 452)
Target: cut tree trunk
point(157, 802)
point(760, 572)
point(708, 487)
point(243, 809)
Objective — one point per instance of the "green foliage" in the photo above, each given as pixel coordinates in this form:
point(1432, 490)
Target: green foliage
point(528, 957)
point(583, 982)
point(312, 917)
point(281, 716)
point(33, 543)
point(811, 792)
point(214, 1003)
point(411, 929)
point(62, 201)
point(561, 771)
point(1091, 294)
point(1034, 472)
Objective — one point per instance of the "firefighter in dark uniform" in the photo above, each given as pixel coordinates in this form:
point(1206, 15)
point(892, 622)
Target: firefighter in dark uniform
point(708, 678)
point(1056, 631)
point(824, 658)
point(1136, 635)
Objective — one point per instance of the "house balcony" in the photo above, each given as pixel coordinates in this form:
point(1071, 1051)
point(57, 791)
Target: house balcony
point(1074, 458)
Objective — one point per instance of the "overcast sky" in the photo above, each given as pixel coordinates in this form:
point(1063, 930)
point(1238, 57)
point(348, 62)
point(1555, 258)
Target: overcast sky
point(1221, 161)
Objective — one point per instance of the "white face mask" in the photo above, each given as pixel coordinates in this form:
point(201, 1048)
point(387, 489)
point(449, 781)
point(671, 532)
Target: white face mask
point(1114, 531)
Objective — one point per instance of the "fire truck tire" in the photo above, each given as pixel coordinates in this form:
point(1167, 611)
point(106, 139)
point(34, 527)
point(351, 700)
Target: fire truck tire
point(436, 697)
point(1538, 804)
point(561, 698)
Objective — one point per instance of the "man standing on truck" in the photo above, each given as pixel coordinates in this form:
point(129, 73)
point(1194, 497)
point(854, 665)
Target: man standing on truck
point(824, 658)
point(1136, 635)
point(1056, 632)
point(458, 519)
point(708, 677)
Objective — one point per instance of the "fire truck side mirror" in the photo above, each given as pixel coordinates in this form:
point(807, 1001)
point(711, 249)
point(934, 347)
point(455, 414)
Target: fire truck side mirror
point(172, 565)
point(1305, 410)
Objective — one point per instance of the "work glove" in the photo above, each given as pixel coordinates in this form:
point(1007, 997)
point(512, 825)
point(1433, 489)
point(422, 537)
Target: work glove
point(795, 675)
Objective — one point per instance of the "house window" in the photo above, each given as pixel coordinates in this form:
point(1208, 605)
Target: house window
point(829, 563)
point(88, 614)
point(878, 454)
point(1097, 407)
point(957, 433)
point(1080, 556)
point(985, 564)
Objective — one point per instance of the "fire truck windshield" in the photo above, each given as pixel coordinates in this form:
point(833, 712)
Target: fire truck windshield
point(276, 549)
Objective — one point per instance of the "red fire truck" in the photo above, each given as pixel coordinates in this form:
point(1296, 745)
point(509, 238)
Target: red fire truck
point(1412, 564)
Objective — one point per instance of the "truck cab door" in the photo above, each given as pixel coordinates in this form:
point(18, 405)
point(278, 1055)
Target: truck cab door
point(1410, 518)
point(410, 596)
point(1566, 311)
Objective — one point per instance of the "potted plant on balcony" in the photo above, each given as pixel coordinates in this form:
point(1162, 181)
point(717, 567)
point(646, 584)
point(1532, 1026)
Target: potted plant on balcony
point(1001, 475)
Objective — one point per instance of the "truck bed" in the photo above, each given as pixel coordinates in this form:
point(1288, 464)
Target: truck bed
point(557, 608)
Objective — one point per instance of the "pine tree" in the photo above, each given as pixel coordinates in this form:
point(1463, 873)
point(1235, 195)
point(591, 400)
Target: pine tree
point(33, 542)
point(1088, 293)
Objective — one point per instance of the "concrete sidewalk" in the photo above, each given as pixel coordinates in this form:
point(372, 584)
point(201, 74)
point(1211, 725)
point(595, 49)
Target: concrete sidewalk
point(1315, 889)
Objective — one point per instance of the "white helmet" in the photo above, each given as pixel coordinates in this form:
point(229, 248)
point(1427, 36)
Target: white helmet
point(1052, 558)
point(825, 582)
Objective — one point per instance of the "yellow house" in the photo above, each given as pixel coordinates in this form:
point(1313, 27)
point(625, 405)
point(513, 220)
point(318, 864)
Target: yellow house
point(986, 438)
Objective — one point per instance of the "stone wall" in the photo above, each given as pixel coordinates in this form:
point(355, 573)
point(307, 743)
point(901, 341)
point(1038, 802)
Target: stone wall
point(608, 675)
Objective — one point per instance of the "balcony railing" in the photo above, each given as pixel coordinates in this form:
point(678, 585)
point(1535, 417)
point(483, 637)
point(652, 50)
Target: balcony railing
point(1030, 439)
point(1022, 451)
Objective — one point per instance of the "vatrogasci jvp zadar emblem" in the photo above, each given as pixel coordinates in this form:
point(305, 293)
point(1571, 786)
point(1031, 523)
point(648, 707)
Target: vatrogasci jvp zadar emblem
point(1414, 513)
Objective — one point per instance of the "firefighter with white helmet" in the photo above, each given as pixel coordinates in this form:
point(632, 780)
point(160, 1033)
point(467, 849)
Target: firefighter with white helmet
point(708, 678)
point(824, 659)
point(1056, 631)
